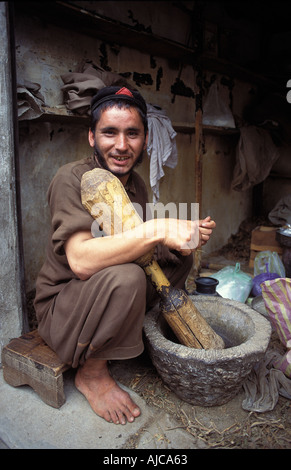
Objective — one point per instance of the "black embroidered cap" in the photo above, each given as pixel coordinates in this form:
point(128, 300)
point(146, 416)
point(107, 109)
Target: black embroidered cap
point(116, 93)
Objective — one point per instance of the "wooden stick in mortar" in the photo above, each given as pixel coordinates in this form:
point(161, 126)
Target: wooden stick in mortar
point(105, 198)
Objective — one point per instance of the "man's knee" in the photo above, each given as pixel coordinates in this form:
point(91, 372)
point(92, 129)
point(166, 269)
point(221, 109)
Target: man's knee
point(130, 278)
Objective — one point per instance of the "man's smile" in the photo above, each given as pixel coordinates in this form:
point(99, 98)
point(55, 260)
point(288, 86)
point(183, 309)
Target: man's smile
point(120, 159)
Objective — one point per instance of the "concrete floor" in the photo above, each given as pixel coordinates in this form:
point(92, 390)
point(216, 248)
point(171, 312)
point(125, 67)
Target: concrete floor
point(26, 422)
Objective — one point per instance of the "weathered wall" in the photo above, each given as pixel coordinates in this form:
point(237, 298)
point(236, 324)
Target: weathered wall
point(43, 148)
point(11, 320)
point(45, 52)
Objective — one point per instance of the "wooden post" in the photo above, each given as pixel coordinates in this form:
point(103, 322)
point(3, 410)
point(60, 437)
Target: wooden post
point(198, 157)
point(198, 173)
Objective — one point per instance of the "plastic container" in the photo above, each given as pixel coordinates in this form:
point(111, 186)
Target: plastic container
point(206, 286)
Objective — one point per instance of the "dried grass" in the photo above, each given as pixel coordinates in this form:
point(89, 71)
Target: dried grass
point(270, 430)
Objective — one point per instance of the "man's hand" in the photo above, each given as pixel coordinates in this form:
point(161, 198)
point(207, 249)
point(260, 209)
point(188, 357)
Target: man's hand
point(185, 236)
point(205, 228)
point(181, 235)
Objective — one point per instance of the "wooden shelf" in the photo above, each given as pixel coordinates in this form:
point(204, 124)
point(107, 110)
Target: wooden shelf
point(189, 128)
point(61, 113)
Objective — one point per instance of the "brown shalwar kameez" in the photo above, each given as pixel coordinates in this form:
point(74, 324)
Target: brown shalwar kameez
point(102, 316)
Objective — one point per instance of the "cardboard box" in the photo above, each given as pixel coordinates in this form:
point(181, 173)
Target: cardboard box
point(263, 239)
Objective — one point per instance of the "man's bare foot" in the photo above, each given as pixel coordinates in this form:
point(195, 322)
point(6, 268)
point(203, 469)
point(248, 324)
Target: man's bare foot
point(106, 398)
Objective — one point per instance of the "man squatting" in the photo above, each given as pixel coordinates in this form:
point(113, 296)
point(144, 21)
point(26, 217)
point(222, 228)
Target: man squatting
point(91, 297)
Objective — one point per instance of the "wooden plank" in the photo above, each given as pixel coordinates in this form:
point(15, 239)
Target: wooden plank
point(49, 389)
point(32, 346)
point(264, 236)
point(27, 360)
point(276, 248)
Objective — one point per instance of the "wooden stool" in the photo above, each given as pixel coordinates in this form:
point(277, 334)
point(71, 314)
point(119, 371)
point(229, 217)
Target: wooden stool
point(28, 360)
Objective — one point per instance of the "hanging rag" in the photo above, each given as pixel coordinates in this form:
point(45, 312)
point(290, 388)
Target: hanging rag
point(264, 385)
point(161, 148)
point(255, 155)
point(29, 100)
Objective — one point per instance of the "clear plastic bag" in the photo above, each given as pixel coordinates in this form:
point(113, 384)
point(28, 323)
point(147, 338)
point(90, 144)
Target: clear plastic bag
point(267, 260)
point(233, 284)
point(216, 111)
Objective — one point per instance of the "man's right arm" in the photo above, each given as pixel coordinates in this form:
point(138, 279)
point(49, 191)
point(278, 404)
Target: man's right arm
point(87, 255)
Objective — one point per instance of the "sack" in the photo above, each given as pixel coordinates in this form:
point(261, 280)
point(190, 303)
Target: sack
point(267, 261)
point(277, 298)
point(233, 283)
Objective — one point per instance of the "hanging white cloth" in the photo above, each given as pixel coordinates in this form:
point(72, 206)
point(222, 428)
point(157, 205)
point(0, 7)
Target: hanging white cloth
point(161, 148)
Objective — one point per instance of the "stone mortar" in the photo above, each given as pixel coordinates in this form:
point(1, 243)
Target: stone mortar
point(209, 377)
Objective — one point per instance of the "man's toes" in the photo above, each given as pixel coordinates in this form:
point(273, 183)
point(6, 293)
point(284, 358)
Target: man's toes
point(115, 417)
point(136, 411)
point(131, 412)
point(122, 417)
point(107, 417)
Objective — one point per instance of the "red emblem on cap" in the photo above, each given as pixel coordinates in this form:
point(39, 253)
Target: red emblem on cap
point(124, 91)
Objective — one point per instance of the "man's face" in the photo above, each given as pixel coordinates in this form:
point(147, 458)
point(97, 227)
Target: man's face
point(119, 140)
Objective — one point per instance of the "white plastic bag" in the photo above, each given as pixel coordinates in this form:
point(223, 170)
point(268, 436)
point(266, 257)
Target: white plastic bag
point(233, 284)
point(216, 111)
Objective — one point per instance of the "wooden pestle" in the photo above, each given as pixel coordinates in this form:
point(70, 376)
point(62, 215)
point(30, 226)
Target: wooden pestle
point(105, 198)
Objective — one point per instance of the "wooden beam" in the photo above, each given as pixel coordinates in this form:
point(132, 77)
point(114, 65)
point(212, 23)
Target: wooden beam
point(198, 158)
